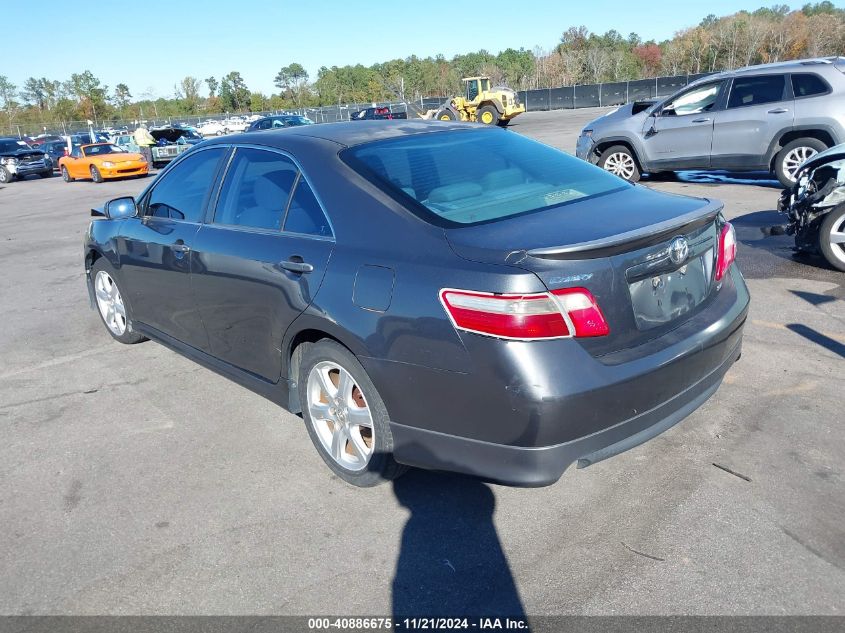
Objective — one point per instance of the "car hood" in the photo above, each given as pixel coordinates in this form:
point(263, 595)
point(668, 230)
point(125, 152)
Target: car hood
point(22, 153)
point(118, 158)
point(171, 135)
point(579, 227)
point(636, 110)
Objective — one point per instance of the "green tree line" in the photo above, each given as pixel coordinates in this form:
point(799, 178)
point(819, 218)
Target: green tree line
point(769, 34)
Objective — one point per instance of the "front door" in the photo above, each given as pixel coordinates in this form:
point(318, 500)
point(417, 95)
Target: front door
point(680, 134)
point(155, 249)
point(759, 108)
point(261, 260)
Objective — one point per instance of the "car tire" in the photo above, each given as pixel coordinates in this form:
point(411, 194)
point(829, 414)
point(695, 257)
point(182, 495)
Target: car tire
point(446, 114)
point(832, 237)
point(619, 160)
point(66, 174)
point(792, 155)
point(47, 174)
point(6, 176)
point(488, 115)
point(358, 447)
point(96, 176)
point(110, 303)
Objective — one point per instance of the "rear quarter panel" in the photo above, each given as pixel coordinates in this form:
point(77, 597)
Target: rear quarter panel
point(372, 229)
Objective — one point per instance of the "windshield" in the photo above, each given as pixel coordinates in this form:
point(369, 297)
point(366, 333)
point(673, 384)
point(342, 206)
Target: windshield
point(442, 173)
point(13, 146)
point(99, 150)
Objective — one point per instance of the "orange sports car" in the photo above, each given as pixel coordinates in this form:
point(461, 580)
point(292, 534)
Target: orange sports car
point(100, 161)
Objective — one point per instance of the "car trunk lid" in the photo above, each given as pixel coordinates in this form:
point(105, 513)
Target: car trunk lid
point(620, 247)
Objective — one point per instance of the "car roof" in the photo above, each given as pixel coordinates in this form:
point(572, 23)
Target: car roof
point(351, 133)
point(796, 65)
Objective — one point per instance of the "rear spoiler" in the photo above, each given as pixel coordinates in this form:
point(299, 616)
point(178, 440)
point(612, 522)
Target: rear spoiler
point(633, 239)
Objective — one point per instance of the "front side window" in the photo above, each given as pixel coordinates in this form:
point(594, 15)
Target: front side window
point(472, 90)
point(181, 192)
point(808, 85)
point(256, 190)
point(747, 91)
point(700, 99)
point(439, 177)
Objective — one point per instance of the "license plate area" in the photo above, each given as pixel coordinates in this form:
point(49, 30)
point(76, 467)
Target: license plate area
point(661, 296)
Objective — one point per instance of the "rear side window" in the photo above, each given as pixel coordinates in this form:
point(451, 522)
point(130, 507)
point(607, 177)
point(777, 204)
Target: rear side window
point(808, 85)
point(441, 177)
point(256, 190)
point(181, 192)
point(305, 214)
point(747, 91)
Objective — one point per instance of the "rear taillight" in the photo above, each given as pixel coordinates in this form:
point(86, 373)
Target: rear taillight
point(583, 311)
point(526, 317)
point(727, 250)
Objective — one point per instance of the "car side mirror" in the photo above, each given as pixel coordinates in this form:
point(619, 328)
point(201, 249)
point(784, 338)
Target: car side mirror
point(120, 208)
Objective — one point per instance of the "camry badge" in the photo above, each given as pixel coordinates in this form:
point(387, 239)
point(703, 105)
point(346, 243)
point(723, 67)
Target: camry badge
point(679, 250)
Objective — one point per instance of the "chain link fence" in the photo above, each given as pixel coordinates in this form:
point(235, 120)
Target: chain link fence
point(562, 98)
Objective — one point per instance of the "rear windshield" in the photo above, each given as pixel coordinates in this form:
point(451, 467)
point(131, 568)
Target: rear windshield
point(472, 176)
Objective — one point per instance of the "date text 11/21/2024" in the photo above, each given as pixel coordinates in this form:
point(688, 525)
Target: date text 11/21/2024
point(416, 624)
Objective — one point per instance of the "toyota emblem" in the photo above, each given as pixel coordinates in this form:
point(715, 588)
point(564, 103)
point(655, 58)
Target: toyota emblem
point(679, 250)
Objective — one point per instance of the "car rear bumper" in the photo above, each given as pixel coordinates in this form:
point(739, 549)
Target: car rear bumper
point(542, 466)
point(528, 411)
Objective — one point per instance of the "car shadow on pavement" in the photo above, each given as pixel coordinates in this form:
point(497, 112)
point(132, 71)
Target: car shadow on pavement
point(818, 338)
point(451, 563)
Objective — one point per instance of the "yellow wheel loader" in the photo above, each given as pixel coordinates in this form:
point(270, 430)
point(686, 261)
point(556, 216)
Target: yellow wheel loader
point(482, 104)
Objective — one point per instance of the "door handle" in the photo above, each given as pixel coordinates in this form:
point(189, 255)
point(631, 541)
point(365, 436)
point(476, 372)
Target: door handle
point(180, 247)
point(296, 265)
point(704, 120)
point(778, 110)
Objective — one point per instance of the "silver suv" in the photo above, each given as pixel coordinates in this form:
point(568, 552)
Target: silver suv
point(759, 118)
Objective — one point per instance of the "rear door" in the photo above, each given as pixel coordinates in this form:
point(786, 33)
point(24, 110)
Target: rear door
point(681, 134)
point(156, 249)
point(261, 260)
point(758, 108)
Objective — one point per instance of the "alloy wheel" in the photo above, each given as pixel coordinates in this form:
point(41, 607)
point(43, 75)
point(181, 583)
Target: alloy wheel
point(620, 164)
point(110, 303)
point(795, 158)
point(837, 240)
point(340, 415)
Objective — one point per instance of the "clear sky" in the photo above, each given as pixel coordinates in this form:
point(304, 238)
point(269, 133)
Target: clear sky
point(152, 44)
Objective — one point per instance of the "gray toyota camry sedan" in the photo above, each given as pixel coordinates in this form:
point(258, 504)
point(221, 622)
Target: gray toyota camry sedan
point(429, 294)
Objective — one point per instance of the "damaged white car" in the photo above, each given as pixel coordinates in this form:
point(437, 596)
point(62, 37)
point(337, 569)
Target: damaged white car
point(815, 206)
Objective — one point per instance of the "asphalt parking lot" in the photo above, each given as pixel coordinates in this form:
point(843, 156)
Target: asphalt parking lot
point(133, 481)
